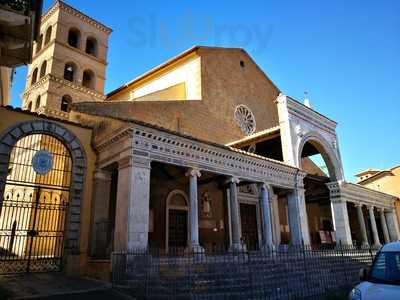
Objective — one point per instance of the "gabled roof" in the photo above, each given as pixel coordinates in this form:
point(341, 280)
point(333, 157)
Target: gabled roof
point(174, 59)
point(367, 171)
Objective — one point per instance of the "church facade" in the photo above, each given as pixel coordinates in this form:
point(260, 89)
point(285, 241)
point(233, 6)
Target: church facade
point(203, 152)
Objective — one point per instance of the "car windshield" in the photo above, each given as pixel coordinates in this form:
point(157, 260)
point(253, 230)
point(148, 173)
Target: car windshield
point(386, 268)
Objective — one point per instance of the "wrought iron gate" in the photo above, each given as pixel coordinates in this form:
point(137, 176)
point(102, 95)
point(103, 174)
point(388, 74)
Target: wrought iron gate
point(35, 205)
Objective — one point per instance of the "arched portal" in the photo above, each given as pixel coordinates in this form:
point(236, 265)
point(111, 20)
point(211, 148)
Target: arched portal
point(177, 221)
point(42, 170)
point(319, 161)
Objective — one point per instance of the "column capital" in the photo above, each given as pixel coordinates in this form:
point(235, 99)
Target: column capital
point(193, 172)
point(134, 160)
point(370, 207)
point(382, 209)
point(265, 185)
point(233, 179)
point(358, 204)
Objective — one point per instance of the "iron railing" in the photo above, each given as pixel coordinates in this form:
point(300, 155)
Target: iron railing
point(275, 273)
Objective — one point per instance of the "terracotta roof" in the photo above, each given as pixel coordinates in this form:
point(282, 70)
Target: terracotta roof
point(256, 136)
point(368, 171)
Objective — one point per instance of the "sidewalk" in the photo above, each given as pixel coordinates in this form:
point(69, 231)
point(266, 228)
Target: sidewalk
point(55, 286)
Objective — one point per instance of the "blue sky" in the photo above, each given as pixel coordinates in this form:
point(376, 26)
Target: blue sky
point(344, 53)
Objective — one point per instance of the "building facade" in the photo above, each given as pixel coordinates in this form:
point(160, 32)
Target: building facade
point(203, 152)
point(387, 181)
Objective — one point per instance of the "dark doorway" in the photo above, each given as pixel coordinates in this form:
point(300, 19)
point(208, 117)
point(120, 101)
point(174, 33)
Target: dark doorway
point(177, 228)
point(248, 216)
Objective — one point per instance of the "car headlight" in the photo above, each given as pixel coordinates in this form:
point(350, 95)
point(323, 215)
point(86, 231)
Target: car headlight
point(355, 294)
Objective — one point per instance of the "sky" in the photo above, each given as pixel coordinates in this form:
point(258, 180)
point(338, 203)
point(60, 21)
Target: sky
point(344, 53)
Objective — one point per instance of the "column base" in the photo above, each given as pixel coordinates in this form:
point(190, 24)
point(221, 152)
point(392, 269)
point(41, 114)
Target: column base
point(376, 246)
point(364, 246)
point(195, 250)
point(237, 248)
point(267, 248)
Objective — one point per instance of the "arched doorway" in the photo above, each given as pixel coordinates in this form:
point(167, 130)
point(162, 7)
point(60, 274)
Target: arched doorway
point(33, 212)
point(177, 221)
point(43, 167)
point(319, 161)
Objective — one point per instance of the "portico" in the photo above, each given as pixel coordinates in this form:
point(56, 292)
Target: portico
point(214, 173)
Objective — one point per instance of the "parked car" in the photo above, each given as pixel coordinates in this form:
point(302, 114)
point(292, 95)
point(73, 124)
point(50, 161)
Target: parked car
point(382, 280)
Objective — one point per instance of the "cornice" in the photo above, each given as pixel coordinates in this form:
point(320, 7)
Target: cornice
point(72, 11)
point(311, 116)
point(345, 191)
point(64, 82)
point(37, 84)
point(169, 148)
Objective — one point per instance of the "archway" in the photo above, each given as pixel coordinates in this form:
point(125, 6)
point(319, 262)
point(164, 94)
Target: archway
point(55, 182)
point(319, 161)
point(177, 221)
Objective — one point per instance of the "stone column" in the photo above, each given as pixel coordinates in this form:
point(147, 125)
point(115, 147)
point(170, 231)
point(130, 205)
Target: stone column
point(393, 226)
point(266, 216)
point(384, 225)
point(194, 214)
point(132, 211)
point(361, 222)
point(373, 226)
point(276, 226)
point(341, 222)
point(340, 216)
point(234, 212)
point(298, 222)
point(101, 201)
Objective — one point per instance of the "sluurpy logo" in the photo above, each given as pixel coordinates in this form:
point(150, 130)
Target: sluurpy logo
point(42, 162)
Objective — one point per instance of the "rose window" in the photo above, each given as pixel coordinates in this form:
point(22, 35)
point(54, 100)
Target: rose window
point(245, 119)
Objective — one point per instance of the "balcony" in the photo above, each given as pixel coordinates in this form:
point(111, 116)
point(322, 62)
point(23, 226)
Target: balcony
point(19, 27)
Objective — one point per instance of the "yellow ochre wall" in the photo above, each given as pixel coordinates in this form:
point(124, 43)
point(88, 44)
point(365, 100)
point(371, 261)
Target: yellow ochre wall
point(387, 183)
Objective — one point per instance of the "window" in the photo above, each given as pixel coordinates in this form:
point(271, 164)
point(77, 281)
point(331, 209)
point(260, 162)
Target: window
point(34, 76)
point(43, 69)
point(88, 79)
point(39, 43)
point(48, 36)
point(29, 106)
point(74, 37)
point(66, 101)
point(37, 104)
point(91, 46)
point(69, 71)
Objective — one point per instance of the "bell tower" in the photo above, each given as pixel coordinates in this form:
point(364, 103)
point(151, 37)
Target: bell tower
point(68, 62)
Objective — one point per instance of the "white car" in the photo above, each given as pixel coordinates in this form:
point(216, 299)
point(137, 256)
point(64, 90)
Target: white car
point(382, 281)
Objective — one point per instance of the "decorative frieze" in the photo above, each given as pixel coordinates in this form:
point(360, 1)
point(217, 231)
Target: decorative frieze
point(345, 191)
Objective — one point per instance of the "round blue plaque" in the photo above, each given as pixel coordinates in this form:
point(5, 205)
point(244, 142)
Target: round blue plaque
point(42, 162)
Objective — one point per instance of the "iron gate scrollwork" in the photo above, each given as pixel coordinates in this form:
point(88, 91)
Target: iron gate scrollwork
point(34, 207)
